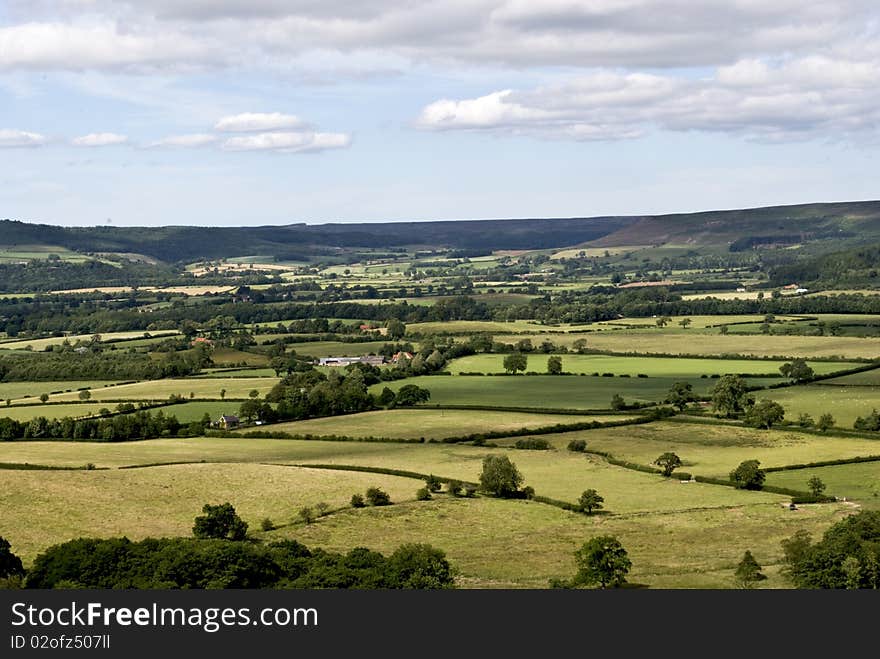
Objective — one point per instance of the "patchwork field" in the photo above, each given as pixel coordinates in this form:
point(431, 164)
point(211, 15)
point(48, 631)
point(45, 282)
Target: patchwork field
point(427, 423)
point(650, 366)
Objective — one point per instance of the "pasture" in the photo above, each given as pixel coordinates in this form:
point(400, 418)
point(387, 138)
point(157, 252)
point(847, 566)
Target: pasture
point(41, 344)
point(843, 403)
point(28, 412)
point(547, 391)
point(427, 423)
point(695, 521)
point(162, 389)
point(694, 342)
point(650, 366)
point(715, 450)
point(24, 390)
point(860, 481)
point(42, 508)
point(337, 348)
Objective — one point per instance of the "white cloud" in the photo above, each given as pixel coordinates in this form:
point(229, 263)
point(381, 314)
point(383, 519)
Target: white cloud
point(193, 140)
point(257, 121)
point(99, 139)
point(20, 138)
point(183, 34)
point(806, 98)
point(288, 142)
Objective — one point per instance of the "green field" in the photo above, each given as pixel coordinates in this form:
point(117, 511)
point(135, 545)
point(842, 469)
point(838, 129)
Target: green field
point(240, 373)
point(427, 423)
point(697, 322)
point(863, 379)
point(337, 348)
point(695, 521)
point(843, 403)
point(860, 482)
point(162, 389)
point(694, 342)
point(16, 390)
point(715, 450)
point(42, 508)
point(28, 412)
point(475, 326)
point(547, 391)
point(650, 366)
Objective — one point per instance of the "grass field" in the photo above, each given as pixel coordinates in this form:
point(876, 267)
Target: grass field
point(427, 423)
point(242, 373)
point(650, 366)
point(223, 355)
point(43, 508)
point(546, 391)
point(162, 389)
point(337, 348)
point(690, 549)
point(714, 450)
point(188, 412)
point(857, 482)
point(28, 412)
point(18, 390)
point(697, 322)
point(863, 379)
point(694, 342)
point(843, 403)
point(475, 326)
point(695, 522)
point(41, 344)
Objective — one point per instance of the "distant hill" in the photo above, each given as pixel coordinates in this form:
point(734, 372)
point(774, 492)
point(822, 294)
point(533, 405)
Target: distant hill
point(831, 226)
point(754, 227)
point(299, 241)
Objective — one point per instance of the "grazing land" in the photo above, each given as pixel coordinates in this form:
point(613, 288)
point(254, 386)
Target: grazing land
point(654, 341)
point(430, 424)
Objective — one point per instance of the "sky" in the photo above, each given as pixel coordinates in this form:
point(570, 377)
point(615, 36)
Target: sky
point(263, 112)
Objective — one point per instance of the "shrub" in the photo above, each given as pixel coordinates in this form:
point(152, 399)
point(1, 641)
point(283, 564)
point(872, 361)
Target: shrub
point(422, 494)
point(376, 497)
point(267, 525)
point(357, 501)
point(533, 444)
point(454, 488)
point(577, 445)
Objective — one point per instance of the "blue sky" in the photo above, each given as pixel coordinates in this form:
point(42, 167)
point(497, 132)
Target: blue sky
point(235, 112)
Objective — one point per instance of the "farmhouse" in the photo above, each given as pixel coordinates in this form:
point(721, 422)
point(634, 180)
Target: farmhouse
point(401, 355)
point(228, 421)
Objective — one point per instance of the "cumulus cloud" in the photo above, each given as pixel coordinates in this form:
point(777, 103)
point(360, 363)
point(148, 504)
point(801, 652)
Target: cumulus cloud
point(800, 99)
point(20, 138)
point(288, 142)
point(179, 34)
point(99, 139)
point(191, 141)
point(257, 121)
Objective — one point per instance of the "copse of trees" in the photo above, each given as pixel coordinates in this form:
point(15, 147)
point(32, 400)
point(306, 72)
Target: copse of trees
point(10, 564)
point(172, 563)
point(847, 556)
point(142, 424)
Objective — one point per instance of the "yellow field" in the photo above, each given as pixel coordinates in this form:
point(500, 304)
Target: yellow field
point(162, 389)
point(42, 344)
point(42, 508)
